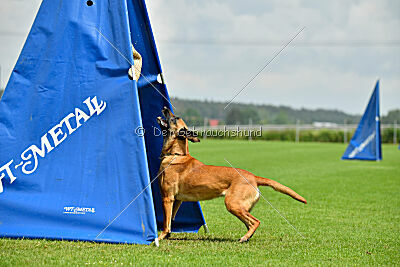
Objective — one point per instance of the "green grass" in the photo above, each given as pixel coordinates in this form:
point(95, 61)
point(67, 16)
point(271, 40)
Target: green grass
point(353, 215)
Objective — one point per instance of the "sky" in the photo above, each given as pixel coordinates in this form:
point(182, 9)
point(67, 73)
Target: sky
point(209, 49)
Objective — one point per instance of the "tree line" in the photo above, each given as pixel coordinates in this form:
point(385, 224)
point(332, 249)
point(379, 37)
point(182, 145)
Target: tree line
point(195, 111)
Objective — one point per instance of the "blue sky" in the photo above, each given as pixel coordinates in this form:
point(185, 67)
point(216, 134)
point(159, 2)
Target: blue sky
point(210, 49)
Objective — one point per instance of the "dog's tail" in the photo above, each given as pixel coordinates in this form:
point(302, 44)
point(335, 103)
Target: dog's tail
point(280, 188)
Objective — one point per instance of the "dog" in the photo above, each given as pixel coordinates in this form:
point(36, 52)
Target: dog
point(184, 178)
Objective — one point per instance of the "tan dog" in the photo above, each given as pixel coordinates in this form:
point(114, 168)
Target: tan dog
point(183, 178)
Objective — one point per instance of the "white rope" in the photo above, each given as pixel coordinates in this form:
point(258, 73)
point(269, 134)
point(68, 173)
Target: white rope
point(244, 87)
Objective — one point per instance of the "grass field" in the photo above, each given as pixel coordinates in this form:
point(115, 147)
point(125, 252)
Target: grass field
point(353, 215)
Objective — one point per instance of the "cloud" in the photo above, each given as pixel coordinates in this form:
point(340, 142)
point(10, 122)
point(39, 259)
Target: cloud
point(210, 49)
point(224, 43)
point(16, 18)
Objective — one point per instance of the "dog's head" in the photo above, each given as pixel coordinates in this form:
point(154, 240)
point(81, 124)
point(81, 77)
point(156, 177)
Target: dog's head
point(175, 127)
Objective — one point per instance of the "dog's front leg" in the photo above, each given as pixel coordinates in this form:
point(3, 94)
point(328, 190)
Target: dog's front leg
point(168, 203)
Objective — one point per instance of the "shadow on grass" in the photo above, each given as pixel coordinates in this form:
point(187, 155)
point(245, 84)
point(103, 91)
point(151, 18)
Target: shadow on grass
point(204, 239)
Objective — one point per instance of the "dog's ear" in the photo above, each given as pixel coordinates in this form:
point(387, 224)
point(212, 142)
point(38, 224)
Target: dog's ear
point(190, 135)
point(167, 113)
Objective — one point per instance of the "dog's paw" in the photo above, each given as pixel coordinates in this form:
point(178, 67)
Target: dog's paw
point(164, 235)
point(243, 240)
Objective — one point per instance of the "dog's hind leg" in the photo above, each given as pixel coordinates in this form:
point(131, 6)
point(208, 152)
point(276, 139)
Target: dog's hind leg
point(167, 209)
point(254, 223)
point(175, 208)
point(240, 206)
point(249, 220)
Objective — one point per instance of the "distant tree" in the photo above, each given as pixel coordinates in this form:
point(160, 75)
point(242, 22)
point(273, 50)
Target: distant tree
point(242, 116)
point(192, 117)
point(235, 116)
point(282, 118)
point(393, 115)
point(191, 112)
point(250, 113)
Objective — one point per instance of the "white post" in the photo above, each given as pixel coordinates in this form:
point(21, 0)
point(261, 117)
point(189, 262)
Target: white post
point(297, 131)
point(250, 126)
point(204, 128)
point(395, 132)
point(345, 132)
point(206, 230)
